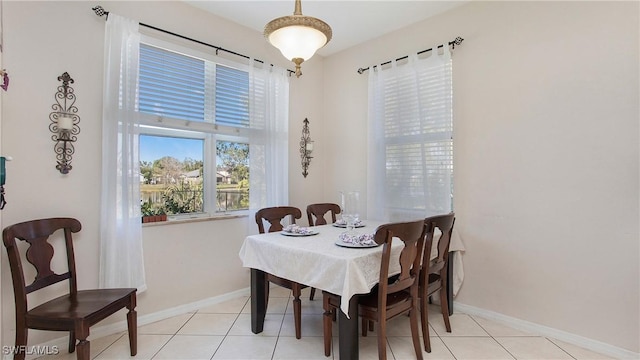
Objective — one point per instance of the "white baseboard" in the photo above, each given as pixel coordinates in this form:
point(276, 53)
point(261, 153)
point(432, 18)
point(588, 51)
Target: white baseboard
point(62, 343)
point(590, 344)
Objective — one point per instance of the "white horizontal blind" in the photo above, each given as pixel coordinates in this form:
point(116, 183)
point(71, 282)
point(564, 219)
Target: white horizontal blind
point(232, 97)
point(184, 87)
point(411, 131)
point(171, 84)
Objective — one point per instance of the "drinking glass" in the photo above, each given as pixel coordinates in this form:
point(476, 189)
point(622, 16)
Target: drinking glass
point(350, 203)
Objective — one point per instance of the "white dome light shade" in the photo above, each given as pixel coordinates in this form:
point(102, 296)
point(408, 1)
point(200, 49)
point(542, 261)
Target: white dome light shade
point(297, 41)
point(297, 37)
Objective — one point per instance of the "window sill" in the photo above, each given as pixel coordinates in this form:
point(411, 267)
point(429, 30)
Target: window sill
point(196, 218)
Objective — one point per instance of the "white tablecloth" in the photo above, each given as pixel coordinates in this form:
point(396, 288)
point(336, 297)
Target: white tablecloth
point(318, 262)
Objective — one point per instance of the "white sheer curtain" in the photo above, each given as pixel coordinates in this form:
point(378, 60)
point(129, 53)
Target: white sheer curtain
point(121, 259)
point(410, 133)
point(268, 148)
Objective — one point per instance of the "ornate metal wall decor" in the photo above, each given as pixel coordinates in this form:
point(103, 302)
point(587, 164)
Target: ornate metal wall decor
point(306, 147)
point(64, 124)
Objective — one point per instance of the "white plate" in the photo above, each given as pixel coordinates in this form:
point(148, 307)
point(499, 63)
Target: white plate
point(345, 225)
point(310, 233)
point(352, 245)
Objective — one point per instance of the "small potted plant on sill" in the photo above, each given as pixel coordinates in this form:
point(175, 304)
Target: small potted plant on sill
point(151, 214)
point(161, 215)
point(147, 212)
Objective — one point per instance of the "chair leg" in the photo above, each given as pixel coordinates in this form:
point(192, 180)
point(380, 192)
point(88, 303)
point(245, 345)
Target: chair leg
point(132, 327)
point(72, 342)
point(312, 294)
point(382, 339)
point(21, 343)
point(266, 293)
point(327, 323)
point(424, 312)
point(364, 327)
point(413, 319)
point(297, 310)
point(84, 350)
point(444, 306)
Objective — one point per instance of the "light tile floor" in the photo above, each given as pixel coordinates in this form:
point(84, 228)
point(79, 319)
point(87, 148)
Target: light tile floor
point(223, 331)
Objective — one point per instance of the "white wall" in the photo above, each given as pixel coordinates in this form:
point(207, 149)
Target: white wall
point(185, 263)
point(546, 123)
point(546, 156)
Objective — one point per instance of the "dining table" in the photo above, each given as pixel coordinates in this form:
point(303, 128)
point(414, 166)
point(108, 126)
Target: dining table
point(321, 260)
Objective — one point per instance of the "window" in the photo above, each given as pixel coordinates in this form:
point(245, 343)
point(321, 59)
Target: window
point(194, 143)
point(232, 175)
point(411, 139)
point(171, 174)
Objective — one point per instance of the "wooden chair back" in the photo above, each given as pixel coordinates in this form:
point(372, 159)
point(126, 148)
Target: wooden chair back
point(412, 234)
point(39, 254)
point(433, 274)
point(318, 212)
point(444, 223)
point(274, 216)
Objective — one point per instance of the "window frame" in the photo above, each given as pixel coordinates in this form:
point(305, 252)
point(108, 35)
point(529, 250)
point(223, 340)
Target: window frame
point(207, 130)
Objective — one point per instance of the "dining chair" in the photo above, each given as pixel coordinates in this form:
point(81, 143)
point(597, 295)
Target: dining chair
point(433, 273)
point(75, 311)
point(388, 299)
point(318, 212)
point(275, 216)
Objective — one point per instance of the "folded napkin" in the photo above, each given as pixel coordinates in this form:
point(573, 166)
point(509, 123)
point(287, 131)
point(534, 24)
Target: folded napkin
point(357, 239)
point(295, 229)
point(342, 222)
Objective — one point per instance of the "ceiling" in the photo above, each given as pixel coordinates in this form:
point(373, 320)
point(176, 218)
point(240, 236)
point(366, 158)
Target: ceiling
point(353, 22)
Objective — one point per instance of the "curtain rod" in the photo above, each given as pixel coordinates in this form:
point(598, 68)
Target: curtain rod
point(100, 11)
point(454, 42)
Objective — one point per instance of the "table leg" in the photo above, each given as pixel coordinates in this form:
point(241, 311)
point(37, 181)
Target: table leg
point(348, 331)
point(450, 282)
point(258, 304)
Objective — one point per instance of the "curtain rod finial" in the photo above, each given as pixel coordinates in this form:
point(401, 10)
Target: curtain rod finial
point(100, 11)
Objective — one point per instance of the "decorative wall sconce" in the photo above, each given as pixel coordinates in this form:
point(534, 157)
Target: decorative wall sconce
point(64, 124)
point(306, 147)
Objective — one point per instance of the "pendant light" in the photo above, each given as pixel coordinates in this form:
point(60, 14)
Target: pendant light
point(297, 36)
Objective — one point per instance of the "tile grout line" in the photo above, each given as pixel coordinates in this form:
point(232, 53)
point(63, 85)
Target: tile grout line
point(560, 347)
point(229, 330)
point(491, 336)
point(106, 347)
point(173, 335)
point(440, 338)
point(443, 343)
point(273, 354)
point(532, 335)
